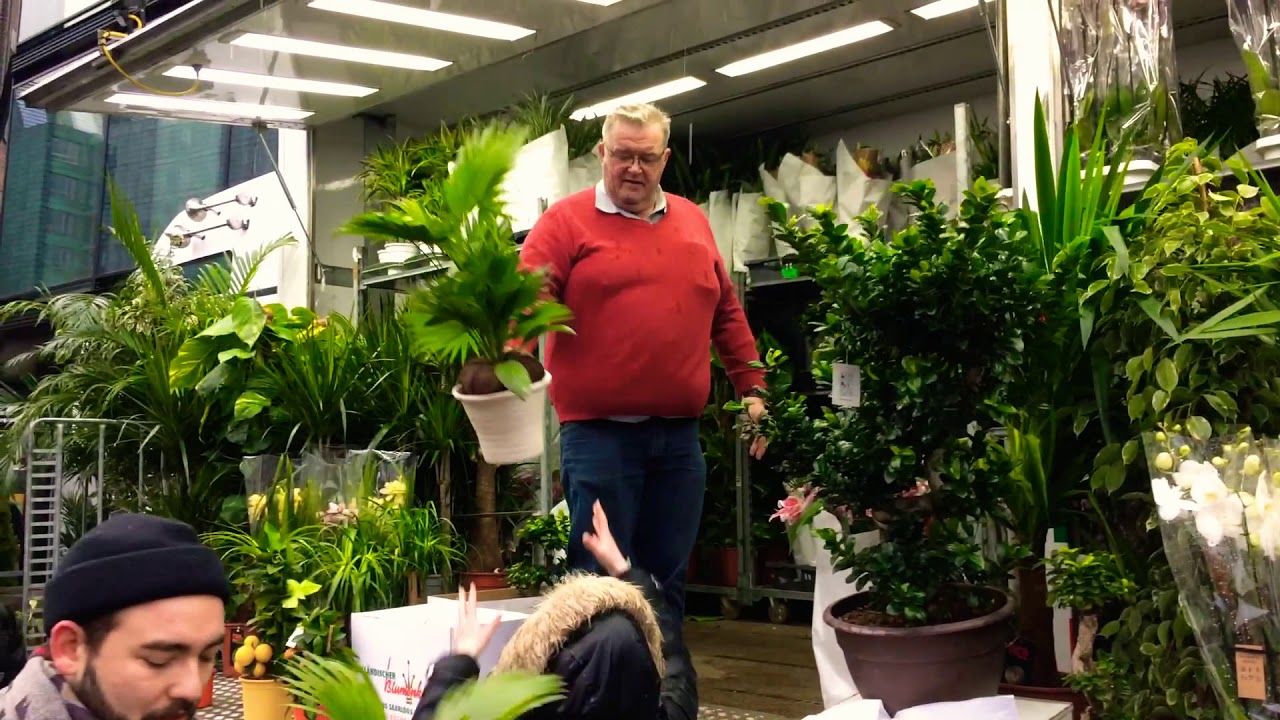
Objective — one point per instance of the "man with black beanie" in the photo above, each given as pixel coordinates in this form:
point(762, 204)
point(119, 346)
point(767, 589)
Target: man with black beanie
point(134, 619)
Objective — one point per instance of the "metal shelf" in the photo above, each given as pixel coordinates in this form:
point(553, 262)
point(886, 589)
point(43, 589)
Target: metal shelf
point(425, 267)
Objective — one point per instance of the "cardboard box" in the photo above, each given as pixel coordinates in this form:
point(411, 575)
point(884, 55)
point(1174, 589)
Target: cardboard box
point(399, 647)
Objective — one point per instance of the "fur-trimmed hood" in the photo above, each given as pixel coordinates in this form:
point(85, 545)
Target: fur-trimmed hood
point(570, 606)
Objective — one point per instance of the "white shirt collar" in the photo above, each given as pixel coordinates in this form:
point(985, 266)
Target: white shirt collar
point(605, 204)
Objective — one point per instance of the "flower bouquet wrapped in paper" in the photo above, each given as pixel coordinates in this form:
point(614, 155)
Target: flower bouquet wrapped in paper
point(1218, 502)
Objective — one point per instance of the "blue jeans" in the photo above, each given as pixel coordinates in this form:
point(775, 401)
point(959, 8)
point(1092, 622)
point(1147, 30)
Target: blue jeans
point(650, 478)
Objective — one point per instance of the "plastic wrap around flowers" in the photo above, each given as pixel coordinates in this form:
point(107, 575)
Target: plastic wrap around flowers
point(1218, 502)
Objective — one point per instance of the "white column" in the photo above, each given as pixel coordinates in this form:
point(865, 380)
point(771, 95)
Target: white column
point(1033, 68)
point(294, 158)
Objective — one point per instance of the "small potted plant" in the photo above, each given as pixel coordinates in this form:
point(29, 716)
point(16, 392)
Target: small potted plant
point(550, 534)
point(919, 336)
point(473, 315)
point(265, 567)
point(1087, 584)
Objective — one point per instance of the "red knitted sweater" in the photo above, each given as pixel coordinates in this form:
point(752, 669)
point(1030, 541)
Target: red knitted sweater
point(649, 300)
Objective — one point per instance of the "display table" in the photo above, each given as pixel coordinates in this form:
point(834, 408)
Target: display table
point(998, 708)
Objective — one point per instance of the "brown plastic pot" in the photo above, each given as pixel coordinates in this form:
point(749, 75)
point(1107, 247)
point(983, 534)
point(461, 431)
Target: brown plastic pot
point(905, 667)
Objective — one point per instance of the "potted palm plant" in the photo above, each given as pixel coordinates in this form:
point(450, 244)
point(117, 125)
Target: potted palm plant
point(471, 316)
point(922, 333)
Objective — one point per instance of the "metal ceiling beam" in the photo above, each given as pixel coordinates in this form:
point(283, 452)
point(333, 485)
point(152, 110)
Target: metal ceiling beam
point(194, 22)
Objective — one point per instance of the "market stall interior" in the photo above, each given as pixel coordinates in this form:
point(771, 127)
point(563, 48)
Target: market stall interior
point(814, 102)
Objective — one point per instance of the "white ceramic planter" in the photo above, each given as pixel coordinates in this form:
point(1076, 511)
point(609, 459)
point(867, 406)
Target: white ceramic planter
point(397, 252)
point(510, 430)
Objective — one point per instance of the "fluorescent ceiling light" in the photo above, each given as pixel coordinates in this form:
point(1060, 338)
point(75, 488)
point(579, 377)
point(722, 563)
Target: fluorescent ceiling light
point(378, 10)
point(821, 44)
point(345, 53)
point(247, 111)
point(938, 8)
point(271, 82)
point(602, 3)
point(648, 95)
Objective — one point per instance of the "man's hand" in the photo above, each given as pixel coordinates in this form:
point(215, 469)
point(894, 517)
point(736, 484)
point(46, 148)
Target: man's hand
point(755, 413)
point(602, 545)
point(471, 637)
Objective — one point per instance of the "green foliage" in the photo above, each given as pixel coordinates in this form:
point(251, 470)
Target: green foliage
point(1225, 119)
point(1153, 667)
point(550, 533)
point(487, 301)
point(1087, 582)
point(342, 690)
point(273, 570)
point(113, 354)
point(935, 318)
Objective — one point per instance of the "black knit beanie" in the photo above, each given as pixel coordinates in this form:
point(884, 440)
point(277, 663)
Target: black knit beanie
point(131, 560)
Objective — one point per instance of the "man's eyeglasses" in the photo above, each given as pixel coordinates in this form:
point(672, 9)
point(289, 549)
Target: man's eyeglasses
point(646, 160)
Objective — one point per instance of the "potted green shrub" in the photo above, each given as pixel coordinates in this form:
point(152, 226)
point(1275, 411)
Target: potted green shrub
point(922, 332)
point(487, 304)
point(550, 534)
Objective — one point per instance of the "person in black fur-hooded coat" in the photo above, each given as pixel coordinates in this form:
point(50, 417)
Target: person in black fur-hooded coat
point(600, 635)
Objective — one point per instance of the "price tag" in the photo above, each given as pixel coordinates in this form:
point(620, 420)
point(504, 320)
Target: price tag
point(1251, 672)
point(846, 385)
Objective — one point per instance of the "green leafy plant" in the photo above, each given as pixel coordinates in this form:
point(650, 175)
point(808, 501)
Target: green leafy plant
point(273, 571)
point(935, 318)
point(472, 315)
point(1087, 583)
point(1224, 119)
point(550, 533)
point(342, 690)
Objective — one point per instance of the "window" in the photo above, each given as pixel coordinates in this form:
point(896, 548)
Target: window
point(73, 192)
point(56, 192)
point(64, 151)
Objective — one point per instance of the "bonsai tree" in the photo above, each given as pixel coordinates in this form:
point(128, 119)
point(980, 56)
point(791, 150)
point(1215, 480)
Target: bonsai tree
point(1087, 583)
point(922, 332)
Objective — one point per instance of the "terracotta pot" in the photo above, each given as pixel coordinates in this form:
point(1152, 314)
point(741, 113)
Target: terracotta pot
point(905, 667)
point(1079, 704)
point(693, 571)
point(265, 699)
point(206, 697)
point(235, 634)
point(484, 580)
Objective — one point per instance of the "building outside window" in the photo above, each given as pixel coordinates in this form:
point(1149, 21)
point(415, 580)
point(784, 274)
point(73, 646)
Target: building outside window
point(56, 208)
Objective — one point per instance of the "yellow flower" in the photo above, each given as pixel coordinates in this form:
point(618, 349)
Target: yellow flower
point(257, 506)
point(396, 492)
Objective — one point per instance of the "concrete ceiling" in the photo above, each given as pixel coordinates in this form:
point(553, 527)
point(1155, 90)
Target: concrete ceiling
point(594, 52)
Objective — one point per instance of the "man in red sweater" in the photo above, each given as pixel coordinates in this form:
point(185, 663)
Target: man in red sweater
point(650, 296)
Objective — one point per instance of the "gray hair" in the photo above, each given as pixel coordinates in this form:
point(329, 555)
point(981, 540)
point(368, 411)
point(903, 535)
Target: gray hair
point(639, 114)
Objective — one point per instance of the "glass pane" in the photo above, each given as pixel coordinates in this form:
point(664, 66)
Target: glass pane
point(51, 203)
point(248, 158)
point(158, 165)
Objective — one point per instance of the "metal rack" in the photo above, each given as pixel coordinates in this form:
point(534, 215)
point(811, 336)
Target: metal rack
point(771, 273)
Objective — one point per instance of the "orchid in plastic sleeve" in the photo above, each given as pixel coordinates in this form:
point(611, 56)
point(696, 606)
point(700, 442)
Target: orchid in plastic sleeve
point(1218, 509)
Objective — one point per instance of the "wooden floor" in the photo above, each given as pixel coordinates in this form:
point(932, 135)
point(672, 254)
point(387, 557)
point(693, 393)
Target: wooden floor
point(755, 666)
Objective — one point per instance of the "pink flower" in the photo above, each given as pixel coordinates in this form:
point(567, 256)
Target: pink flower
point(791, 509)
point(921, 488)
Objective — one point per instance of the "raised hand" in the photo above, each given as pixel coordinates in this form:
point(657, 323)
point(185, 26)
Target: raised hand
point(602, 546)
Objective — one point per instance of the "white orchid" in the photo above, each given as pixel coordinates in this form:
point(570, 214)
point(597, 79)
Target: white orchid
point(1263, 517)
point(1192, 471)
point(1219, 511)
point(1171, 501)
